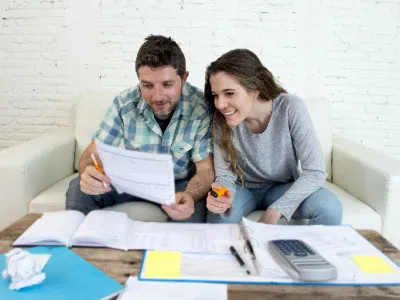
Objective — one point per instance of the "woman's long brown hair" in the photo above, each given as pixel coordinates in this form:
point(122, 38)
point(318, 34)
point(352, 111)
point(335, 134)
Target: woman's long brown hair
point(253, 76)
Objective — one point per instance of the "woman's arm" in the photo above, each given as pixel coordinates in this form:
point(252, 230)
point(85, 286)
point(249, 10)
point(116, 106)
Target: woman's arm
point(223, 173)
point(308, 150)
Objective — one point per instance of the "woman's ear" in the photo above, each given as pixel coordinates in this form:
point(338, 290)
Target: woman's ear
point(255, 94)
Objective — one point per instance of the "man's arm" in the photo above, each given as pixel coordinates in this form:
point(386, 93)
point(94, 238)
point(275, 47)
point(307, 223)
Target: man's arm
point(93, 182)
point(85, 159)
point(200, 183)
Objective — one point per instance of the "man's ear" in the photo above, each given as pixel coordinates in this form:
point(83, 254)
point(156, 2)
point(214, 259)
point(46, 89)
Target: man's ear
point(184, 77)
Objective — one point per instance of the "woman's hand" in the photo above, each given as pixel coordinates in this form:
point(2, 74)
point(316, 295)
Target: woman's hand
point(222, 203)
point(270, 216)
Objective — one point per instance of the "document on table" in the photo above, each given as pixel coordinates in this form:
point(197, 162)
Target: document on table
point(177, 291)
point(146, 175)
point(356, 259)
point(186, 237)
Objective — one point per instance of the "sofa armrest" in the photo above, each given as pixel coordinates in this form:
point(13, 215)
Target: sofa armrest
point(31, 167)
point(372, 177)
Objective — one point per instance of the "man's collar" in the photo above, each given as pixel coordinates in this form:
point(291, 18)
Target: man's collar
point(142, 105)
point(185, 100)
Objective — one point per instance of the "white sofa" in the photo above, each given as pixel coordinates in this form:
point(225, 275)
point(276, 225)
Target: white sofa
point(34, 175)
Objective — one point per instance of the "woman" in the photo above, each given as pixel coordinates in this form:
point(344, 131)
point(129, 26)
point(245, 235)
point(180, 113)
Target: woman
point(266, 152)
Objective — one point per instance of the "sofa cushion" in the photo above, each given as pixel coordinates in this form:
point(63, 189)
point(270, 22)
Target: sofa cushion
point(141, 211)
point(355, 213)
point(53, 199)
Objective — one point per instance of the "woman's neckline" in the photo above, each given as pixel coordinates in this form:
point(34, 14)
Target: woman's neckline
point(271, 114)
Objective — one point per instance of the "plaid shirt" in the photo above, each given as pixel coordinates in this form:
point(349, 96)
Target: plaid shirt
point(129, 123)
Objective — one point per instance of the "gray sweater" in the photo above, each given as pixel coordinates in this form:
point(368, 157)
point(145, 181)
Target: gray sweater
point(288, 150)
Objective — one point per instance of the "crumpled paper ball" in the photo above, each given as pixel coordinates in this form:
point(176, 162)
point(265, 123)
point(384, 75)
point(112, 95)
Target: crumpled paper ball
point(23, 269)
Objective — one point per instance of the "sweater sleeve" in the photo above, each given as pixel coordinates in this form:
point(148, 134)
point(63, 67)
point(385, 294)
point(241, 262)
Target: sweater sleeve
point(223, 172)
point(309, 152)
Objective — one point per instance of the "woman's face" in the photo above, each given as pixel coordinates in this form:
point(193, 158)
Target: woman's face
point(231, 98)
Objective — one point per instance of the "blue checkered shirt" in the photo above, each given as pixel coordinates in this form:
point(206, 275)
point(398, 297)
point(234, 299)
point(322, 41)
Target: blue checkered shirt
point(129, 123)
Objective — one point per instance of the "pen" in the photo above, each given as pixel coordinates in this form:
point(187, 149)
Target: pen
point(238, 258)
point(98, 168)
point(218, 192)
point(251, 250)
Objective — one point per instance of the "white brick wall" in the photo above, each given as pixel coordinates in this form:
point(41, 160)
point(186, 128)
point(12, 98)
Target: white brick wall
point(349, 51)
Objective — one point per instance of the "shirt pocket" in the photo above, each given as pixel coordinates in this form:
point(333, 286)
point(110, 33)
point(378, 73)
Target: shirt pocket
point(132, 145)
point(137, 146)
point(181, 152)
point(181, 147)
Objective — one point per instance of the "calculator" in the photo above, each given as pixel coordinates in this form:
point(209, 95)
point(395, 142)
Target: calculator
point(301, 261)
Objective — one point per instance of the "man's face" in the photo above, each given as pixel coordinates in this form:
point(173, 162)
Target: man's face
point(161, 89)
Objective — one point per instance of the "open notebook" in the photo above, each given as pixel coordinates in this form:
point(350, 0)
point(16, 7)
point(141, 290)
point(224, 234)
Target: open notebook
point(111, 229)
point(99, 228)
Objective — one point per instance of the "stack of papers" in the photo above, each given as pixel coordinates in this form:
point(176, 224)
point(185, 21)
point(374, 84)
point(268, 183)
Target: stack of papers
point(358, 262)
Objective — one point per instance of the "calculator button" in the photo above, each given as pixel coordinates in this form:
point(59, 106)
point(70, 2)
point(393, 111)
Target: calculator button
point(300, 254)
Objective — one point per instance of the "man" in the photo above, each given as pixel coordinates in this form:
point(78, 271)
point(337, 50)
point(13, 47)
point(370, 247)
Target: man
point(163, 114)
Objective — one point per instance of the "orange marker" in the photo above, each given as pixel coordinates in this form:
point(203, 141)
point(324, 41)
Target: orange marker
point(98, 168)
point(218, 192)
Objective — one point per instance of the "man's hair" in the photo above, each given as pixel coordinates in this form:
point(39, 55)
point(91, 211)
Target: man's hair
point(160, 51)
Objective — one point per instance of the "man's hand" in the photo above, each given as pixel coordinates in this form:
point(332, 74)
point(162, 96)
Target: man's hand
point(270, 216)
point(92, 181)
point(183, 207)
point(221, 204)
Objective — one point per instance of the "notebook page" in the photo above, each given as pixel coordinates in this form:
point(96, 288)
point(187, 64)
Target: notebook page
point(103, 228)
point(53, 228)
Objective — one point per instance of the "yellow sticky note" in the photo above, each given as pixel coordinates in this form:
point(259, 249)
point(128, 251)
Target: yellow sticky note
point(372, 264)
point(162, 264)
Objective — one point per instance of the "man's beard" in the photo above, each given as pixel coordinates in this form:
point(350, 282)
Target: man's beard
point(166, 111)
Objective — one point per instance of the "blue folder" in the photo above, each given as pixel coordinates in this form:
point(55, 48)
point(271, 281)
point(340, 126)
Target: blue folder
point(68, 276)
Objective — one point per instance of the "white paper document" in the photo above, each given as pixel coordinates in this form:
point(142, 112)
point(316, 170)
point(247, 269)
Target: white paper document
point(340, 245)
point(173, 291)
point(336, 243)
point(146, 175)
point(187, 237)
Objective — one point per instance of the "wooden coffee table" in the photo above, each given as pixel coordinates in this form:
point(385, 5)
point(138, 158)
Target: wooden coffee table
point(122, 264)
